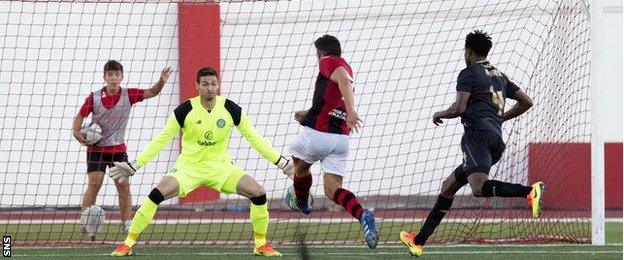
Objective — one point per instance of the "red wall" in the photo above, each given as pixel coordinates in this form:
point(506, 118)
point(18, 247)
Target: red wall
point(565, 168)
point(613, 175)
point(199, 46)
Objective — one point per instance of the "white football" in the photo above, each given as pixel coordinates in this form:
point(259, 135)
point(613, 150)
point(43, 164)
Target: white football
point(92, 219)
point(93, 133)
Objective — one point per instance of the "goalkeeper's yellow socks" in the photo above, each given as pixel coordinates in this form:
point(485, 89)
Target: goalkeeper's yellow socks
point(143, 216)
point(442, 205)
point(347, 200)
point(131, 239)
point(259, 214)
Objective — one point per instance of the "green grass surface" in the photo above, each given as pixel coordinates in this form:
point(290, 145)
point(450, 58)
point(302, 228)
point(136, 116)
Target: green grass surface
point(462, 251)
point(348, 233)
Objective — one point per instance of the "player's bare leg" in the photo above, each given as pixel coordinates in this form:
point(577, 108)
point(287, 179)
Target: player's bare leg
point(259, 214)
point(94, 183)
point(166, 189)
point(415, 242)
point(332, 184)
point(125, 204)
point(302, 181)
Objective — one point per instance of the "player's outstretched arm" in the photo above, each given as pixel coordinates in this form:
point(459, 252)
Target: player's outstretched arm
point(158, 86)
point(455, 110)
point(123, 170)
point(523, 104)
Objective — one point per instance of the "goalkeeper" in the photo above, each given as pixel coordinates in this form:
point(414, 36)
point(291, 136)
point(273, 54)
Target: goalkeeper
point(206, 122)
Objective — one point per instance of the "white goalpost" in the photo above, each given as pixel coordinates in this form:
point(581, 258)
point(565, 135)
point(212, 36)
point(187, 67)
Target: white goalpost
point(597, 139)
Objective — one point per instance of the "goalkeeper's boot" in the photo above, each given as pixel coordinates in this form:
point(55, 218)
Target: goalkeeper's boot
point(408, 240)
point(367, 219)
point(122, 250)
point(266, 250)
point(536, 198)
point(292, 203)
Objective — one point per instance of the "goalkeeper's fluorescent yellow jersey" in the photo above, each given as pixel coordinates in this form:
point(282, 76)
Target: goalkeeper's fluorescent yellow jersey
point(206, 135)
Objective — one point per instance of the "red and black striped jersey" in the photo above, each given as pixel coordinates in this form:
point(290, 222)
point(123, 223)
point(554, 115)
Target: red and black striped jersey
point(328, 112)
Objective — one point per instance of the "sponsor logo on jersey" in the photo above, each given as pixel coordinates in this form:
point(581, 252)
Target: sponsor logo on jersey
point(208, 137)
point(338, 113)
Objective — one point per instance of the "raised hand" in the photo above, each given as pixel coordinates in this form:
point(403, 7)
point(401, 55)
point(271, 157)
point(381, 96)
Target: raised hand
point(164, 74)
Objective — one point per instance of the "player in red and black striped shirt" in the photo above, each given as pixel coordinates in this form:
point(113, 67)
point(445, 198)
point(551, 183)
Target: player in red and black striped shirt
point(324, 137)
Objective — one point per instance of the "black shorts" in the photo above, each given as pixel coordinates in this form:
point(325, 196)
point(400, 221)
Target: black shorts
point(481, 150)
point(97, 161)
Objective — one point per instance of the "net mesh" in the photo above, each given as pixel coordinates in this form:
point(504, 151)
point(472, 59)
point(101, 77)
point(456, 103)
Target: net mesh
point(405, 56)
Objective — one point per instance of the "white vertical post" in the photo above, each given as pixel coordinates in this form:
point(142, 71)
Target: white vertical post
point(597, 140)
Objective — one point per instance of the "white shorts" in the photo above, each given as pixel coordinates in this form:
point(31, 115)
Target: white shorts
point(331, 149)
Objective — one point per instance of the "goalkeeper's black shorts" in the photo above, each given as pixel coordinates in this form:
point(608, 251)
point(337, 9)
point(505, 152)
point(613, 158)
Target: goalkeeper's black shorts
point(98, 161)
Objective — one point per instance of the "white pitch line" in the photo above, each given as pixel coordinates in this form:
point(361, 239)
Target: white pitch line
point(315, 220)
point(314, 245)
point(351, 253)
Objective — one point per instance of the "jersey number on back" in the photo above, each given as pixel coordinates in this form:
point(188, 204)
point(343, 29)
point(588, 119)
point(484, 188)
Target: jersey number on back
point(498, 99)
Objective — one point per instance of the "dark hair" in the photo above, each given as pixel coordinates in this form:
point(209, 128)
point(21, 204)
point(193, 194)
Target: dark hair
point(206, 71)
point(328, 45)
point(112, 65)
point(479, 42)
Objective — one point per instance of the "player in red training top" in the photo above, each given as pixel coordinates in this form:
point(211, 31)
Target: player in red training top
point(324, 137)
point(110, 108)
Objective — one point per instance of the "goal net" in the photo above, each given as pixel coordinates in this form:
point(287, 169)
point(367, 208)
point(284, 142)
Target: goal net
point(405, 55)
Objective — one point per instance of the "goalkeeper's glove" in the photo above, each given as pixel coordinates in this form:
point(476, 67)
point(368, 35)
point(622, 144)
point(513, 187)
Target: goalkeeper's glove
point(286, 166)
point(122, 171)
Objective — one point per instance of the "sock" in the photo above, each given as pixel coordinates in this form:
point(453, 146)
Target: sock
point(302, 188)
point(347, 200)
point(259, 215)
point(434, 218)
point(143, 216)
point(493, 188)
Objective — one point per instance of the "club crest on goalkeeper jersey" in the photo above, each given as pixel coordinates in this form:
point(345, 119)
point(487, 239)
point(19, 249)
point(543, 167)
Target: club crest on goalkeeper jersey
point(206, 134)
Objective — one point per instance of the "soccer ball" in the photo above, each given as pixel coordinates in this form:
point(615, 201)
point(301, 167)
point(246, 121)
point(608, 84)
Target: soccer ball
point(93, 133)
point(92, 219)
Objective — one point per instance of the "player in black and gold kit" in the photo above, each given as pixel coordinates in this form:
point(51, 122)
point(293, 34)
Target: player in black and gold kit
point(480, 102)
